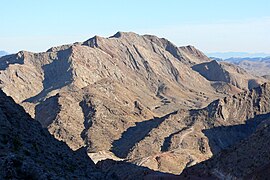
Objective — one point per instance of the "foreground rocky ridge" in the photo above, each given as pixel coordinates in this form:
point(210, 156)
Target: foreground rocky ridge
point(29, 151)
point(128, 97)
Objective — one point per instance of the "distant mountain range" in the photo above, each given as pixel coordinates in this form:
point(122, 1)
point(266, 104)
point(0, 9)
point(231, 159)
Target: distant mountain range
point(259, 66)
point(226, 55)
point(3, 53)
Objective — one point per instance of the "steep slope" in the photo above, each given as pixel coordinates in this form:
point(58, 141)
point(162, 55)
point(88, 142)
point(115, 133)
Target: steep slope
point(29, 151)
point(228, 73)
point(187, 54)
point(248, 159)
point(194, 54)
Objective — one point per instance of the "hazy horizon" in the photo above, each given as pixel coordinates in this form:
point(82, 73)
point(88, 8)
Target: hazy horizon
point(210, 26)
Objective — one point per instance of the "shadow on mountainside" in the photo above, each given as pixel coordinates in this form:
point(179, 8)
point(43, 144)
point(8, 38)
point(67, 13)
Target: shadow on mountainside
point(135, 134)
point(5, 61)
point(116, 170)
point(88, 114)
point(46, 111)
point(247, 158)
point(56, 75)
point(29, 151)
point(225, 136)
point(168, 140)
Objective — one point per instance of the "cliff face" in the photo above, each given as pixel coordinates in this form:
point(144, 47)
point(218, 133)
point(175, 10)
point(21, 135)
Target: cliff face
point(129, 97)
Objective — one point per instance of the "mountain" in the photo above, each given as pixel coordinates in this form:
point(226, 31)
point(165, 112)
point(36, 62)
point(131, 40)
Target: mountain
point(250, 59)
point(226, 55)
point(130, 97)
point(29, 151)
point(257, 66)
point(3, 53)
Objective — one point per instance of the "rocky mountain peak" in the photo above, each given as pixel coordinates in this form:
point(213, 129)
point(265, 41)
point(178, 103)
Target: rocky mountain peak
point(194, 52)
point(142, 95)
point(60, 48)
point(92, 42)
point(121, 34)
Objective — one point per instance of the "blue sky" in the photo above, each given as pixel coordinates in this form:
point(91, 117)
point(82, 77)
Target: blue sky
point(210, 25)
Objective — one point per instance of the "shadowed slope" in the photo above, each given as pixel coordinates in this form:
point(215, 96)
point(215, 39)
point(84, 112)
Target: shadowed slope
point(248, 159)
point(28, 151)
point(132, 135)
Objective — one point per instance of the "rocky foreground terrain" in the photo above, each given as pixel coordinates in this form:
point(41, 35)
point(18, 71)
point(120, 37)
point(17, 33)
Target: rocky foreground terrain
point(137, 99)
point(248, 159)
point(27, 151)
